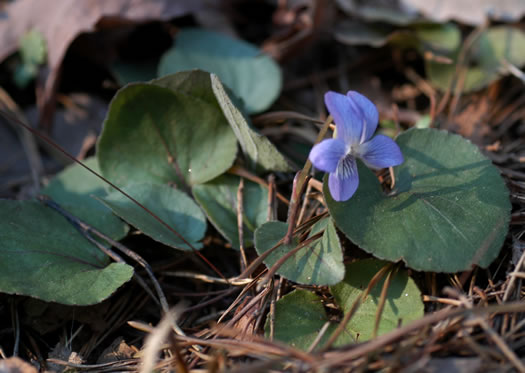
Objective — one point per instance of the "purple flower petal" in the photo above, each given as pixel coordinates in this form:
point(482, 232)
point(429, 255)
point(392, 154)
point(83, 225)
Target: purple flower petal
point(368, 111)
point(380, 152)
point(344, 182)
point(348, 119)
point(326, 155)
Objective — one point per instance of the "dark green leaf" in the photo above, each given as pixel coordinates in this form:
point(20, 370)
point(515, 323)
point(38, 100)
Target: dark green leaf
point(132, 72)
point(170, 205)
point(449, 209)
point(153, 134)
point(75, 188)
point(257, 148)
point(43, 256)
point(218, 198)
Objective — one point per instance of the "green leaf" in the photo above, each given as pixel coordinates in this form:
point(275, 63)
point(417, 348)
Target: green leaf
point(488, 55)
point(33, 53)
point(218, 198)
point(195, 83)
point(449, 209)
point(320, 263)
point(260, 152)
point(157, 135)
point(75, 188)
point(131, 72)
point(33, 48)
point(300, 315)
point(438, 38)
point(252, 75)
point(353, 32)
point(170, 205)
point(403, 301)
point(24, 74)
point(43, 256)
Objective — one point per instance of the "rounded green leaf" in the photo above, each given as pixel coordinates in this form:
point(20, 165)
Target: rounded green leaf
point(320, 263)
point(218, 198)
point(170, 205)
point(157, 135)
point(438, 38)
point(260, 153)
point(403, 300)
point(300, 315)
point(75, 188)
point(252, 75)
point(449, 209)
point(43, 256)
point(489, 53)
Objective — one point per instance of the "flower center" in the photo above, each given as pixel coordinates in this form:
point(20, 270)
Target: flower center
point(345, 166)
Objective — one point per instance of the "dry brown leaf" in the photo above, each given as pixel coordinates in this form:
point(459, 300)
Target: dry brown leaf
point(118, 350)
point(16, 365)
point(63, 20)
point(472, 122)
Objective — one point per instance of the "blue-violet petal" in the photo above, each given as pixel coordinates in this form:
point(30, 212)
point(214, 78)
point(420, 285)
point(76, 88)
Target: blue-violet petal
point(326, 155)
point(380, 152)
point(347, 118)
point(368, 111)
point(344, 182)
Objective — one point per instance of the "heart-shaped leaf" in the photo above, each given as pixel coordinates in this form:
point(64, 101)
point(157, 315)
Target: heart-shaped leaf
point(260, 152)
point(157, 135)
point(252, 75)
point(449, 209)
point(300, 315)
point(320, 263)
point(172, 206)
point(43, 256)
point(403, 301)
point(75, 188)
point(218, 198)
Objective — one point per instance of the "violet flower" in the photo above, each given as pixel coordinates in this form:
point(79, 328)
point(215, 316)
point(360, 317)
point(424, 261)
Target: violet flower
point(355, 118)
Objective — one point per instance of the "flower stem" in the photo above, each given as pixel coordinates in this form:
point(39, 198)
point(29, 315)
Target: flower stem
point(299, 185)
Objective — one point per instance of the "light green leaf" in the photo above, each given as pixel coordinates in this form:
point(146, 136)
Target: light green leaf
point(157, 135)
point(33, 49)
point(490, 52)
point(403, 301)
point(218, 198)
point(33, 53)
point(74, 189)
point(43, 256)
point(320, 263)
point(170, 205)
point(253, 76)
point(449, 209)
point(300, 315)
point(438, 38)
point(260, 152)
